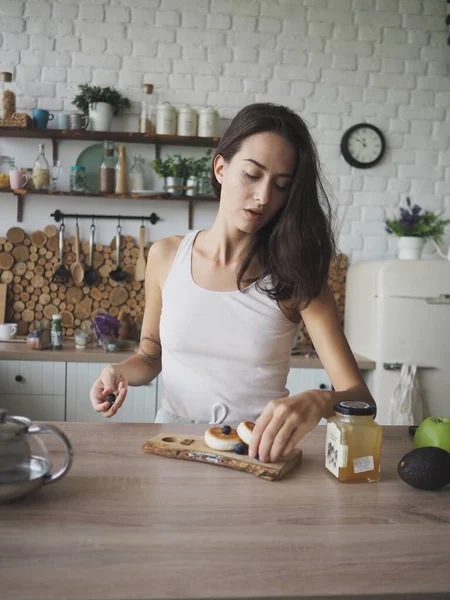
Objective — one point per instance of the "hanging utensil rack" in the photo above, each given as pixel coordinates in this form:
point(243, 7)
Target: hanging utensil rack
point(60, 216)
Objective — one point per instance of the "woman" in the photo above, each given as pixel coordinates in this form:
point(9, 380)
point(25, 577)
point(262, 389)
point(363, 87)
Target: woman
point(223, 304)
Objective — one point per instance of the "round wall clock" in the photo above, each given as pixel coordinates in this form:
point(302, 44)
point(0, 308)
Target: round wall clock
point(363, 145)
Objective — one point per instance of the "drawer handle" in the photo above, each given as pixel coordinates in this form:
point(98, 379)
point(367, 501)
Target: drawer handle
point(18, 378)
point(322, 386)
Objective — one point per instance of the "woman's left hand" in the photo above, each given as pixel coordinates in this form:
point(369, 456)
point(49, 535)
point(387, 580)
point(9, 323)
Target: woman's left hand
point(283, 423)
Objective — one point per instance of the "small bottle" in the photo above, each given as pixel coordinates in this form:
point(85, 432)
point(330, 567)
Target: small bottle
point(121, 172)
point(7, 96)
point(137, 174)
point(353, 443)
point(107, 169)
point(145, 120)
point(56, 334)
point(41, 171)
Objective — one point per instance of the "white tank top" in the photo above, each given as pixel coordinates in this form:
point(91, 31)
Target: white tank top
point(231, 348)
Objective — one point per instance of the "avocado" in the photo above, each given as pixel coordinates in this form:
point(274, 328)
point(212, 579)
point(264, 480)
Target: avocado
point(425, 468)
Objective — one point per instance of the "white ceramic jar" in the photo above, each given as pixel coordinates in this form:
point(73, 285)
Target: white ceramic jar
point(208, 122)
point(187, 121)
point(166, 119)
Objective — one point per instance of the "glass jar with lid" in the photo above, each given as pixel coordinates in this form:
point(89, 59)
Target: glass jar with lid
point(6, 165)
point(353, 443)
point(137, 174)
point(7, 96)
point(78, 178)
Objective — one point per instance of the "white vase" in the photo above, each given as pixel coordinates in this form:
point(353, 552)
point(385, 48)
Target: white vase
point(410, 248)
point(100, 116)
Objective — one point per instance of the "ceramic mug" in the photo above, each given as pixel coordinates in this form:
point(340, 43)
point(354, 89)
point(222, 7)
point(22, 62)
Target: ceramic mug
point(63, 121)
point(76, 121)
point(7, 331)
point(41, 117)
point(17, 180)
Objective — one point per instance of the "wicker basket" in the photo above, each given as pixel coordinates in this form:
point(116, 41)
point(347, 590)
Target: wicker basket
point(21, 120)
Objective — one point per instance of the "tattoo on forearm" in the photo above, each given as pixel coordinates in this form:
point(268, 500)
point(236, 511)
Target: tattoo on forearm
point(155, 355)
point(150, 339)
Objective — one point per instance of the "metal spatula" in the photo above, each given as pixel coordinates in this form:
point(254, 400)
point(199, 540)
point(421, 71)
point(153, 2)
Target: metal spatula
point(90, 275)
point(61, 275)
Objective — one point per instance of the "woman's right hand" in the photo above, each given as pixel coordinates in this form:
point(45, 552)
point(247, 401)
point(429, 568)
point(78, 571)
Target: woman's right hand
point(111, 381)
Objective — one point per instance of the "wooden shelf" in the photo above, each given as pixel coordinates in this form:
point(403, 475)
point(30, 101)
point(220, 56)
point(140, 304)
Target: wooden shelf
point(56, 135)
point(20, 195)
point(114, 136)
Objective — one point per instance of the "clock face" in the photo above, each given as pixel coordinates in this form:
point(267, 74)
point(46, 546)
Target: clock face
point(363, 146)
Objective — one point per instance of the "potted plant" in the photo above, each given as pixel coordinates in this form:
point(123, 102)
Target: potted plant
point(198, 182)
point(414, 227)
point(101, 103)
point(174, 170)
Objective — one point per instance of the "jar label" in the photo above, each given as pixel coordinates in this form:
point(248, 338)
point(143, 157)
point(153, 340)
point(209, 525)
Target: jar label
point(363, 464)
point(56, 338)
point(336, 453)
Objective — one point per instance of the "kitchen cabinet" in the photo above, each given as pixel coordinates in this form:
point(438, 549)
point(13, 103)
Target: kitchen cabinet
point(300, 380)
point(34, 389)
point(139, 406)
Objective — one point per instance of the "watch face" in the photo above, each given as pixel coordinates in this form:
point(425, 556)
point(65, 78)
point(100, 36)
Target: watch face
point(363, 146)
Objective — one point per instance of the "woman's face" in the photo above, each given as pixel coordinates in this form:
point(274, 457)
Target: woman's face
point(256, 181)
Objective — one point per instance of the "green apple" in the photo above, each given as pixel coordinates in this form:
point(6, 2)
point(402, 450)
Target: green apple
point(433, 431)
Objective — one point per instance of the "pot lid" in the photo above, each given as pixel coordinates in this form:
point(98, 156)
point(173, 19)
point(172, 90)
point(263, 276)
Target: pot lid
point(10, 427)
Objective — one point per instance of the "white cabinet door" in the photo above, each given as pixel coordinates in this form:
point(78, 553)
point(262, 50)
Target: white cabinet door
point(37, 378)
point(300, 380)
point(34, 389)
point(139, 405)
point(36, 408)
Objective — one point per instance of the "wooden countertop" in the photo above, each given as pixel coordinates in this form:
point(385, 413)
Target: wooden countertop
point(126, 525)
point(20, 351)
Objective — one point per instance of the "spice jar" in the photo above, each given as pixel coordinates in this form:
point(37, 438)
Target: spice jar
point(187, 121)
point(208, 122)
point(7, 96)
point(353, 443)
point(77, 178)
point(166, 119)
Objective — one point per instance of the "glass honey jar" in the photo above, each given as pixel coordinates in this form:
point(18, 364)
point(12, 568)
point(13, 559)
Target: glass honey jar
point(353, 443)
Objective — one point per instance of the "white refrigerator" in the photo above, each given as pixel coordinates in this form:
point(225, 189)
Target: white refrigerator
point(396, 312)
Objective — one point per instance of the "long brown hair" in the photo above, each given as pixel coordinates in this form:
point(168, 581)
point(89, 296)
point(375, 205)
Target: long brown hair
point(295, 248)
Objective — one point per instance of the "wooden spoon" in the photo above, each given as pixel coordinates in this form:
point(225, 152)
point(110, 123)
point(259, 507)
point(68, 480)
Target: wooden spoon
point(77, 268)
point(139, 273)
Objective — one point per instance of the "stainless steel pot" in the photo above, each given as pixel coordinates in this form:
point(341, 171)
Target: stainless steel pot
point(25, 465)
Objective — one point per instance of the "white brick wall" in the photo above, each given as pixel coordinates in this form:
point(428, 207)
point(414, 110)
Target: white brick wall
point(337, 62)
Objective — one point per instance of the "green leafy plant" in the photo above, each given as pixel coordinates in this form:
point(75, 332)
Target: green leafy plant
point(415, 222)
point(172, 166)
point(199, 167)
point(91, 94)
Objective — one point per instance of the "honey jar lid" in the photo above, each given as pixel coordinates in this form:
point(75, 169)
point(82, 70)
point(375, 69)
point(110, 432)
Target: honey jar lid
point(354, 407)
point(5, 76)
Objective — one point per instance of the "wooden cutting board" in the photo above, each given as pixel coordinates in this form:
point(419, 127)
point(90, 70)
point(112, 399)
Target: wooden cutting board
point(193, 447)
